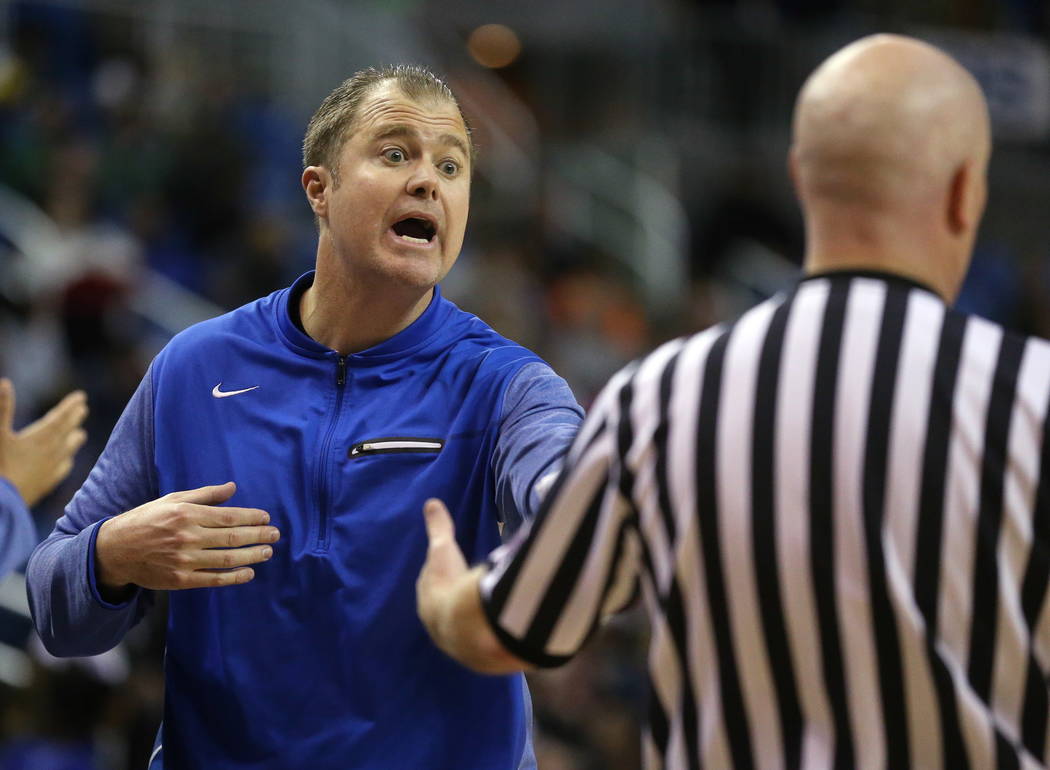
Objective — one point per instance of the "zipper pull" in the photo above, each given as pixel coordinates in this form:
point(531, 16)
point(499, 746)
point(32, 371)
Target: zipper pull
point(340, 378)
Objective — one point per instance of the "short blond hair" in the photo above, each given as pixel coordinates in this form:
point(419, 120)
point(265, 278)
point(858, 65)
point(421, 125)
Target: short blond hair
point(334, 120)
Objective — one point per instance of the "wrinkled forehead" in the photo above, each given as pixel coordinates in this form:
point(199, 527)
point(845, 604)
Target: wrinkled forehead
point(387, 105)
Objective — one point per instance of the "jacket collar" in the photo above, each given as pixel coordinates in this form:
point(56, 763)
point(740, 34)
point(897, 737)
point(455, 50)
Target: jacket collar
point(413, 336)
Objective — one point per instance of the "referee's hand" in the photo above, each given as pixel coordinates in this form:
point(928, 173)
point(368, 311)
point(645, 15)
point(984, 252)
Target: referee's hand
point(183, 540)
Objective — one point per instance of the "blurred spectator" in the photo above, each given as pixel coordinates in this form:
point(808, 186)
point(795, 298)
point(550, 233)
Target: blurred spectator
point(64, 710)
point(597, 326)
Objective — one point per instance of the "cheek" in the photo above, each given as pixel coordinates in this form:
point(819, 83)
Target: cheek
point(459, 210)
point(360, 203)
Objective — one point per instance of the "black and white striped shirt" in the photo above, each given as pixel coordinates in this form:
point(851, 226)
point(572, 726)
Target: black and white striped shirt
point(837, 511)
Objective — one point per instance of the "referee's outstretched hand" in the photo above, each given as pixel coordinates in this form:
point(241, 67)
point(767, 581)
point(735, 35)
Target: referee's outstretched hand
point(38, 457)
point(183, 540)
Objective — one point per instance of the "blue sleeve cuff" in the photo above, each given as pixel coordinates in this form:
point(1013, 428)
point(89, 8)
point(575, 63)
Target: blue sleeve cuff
point(93, 578)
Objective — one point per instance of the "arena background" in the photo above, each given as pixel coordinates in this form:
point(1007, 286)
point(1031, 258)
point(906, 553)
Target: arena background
point(631, 186)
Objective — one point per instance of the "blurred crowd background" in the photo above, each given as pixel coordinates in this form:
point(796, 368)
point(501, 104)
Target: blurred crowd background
point(631, 187)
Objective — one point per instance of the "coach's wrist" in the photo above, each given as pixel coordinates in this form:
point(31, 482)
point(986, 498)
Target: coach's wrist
point(110, 580)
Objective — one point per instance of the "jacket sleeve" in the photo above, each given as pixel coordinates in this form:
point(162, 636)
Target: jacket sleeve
point(17, 530)
point(71, 616)
point(538, 422)
point(540, 611)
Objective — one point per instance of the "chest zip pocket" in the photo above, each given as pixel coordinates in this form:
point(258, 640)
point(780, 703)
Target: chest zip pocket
point(395, 445)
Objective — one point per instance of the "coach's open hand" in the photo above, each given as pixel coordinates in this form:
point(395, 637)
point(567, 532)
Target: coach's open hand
point(179, 540)
point(449, 602)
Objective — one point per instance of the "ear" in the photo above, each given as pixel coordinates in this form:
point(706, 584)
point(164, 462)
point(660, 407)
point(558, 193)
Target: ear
point(317, 181)
point(966, 197)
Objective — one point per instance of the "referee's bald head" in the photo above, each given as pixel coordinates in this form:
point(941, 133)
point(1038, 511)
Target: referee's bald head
point(892, 134)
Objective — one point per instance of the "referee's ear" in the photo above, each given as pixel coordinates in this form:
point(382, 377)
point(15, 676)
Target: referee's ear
point(966, 198)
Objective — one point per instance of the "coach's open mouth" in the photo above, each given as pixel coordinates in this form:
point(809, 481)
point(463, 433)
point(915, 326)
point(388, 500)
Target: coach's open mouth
point(415, 230)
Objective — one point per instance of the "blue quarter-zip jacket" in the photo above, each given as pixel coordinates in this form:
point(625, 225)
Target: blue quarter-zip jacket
point(320, 661)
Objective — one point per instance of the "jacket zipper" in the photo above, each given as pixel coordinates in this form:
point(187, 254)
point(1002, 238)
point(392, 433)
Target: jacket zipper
point(322, 505)
point(395, 445)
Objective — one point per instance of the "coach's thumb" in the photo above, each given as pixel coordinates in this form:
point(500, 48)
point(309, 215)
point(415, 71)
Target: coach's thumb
point(440, 528)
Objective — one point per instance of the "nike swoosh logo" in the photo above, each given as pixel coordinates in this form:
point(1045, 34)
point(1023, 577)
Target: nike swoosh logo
point(220, 394)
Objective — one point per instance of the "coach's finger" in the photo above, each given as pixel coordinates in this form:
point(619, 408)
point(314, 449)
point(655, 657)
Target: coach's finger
point(235, 537)
point(219, 579)
point(210, 495)
point(229, 558)
point(219, 517)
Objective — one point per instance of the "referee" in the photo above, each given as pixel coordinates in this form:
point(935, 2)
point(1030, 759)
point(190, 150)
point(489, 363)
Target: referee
point(835, 507)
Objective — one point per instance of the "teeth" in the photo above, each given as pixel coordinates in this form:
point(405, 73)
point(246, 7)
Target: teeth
point(410, 239)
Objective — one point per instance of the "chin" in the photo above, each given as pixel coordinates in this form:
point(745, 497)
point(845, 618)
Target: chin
point(415, 275)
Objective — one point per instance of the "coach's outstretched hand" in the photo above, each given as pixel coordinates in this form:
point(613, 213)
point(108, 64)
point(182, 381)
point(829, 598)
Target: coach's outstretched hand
point(183, 540)
point(444, 567)
point(449, 602)
point(37, 458)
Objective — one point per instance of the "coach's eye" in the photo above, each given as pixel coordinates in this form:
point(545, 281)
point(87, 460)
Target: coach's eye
point(449, 167)
point(394, 155)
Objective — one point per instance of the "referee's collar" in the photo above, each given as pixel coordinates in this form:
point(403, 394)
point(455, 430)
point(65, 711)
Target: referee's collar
point(881, 275)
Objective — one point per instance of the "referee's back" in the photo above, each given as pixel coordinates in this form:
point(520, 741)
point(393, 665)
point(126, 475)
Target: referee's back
point(843, 503)
point(838, 506)
point(852, 480)
point(844, 531)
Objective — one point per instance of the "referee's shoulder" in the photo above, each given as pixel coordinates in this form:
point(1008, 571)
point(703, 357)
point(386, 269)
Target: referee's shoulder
point(655, 363)
point(967, 323)
point(647, 370)
point(702, 339)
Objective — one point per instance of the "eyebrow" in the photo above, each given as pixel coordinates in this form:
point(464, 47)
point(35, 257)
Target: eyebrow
point(399, 130)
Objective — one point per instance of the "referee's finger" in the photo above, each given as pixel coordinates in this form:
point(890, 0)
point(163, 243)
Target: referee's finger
point(440, 528)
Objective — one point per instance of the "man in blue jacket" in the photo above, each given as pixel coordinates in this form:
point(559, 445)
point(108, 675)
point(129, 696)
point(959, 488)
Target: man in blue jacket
point(270, 467)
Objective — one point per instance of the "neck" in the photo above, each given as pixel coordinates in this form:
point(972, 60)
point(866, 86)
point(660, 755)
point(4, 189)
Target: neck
point(350, 316)
point(884, 244)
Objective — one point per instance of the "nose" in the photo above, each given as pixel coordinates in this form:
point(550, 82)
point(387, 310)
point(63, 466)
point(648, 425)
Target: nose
point(423, 183)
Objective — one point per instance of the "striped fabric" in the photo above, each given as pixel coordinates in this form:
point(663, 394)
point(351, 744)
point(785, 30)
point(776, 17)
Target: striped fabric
point(836, 512)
